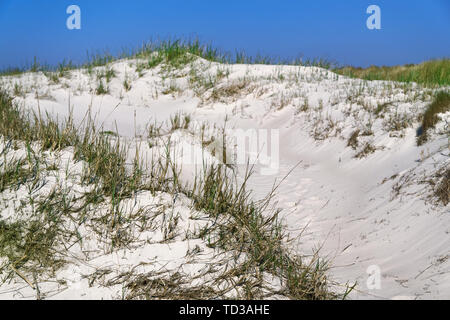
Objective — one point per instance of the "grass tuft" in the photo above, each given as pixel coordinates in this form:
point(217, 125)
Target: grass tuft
point(442, 190)
point(440, 104)
point(429, 73)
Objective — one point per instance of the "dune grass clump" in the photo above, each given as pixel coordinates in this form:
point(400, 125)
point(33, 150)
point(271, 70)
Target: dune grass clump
point(381, 108)
point(353, 139)
point(31, 244)
point(429, 73)
point(12, 71)
point(440, 104)
point(61, 69)
point(106, 159)
point(442, 190)
point(176, 53)
point(30, 127)
point(108, 74)
point(64, 67)
point(126, 85)
point(101, 89)
point(245, 226)
point(31, 241)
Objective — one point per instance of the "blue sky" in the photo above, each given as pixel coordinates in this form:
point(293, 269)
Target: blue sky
point(412, 31)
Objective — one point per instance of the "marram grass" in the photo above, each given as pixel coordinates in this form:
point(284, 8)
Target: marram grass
point(429, 73)
point(178, 52)
point(241, 225)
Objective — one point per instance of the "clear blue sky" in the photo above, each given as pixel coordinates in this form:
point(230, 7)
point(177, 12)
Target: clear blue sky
point(412, 31)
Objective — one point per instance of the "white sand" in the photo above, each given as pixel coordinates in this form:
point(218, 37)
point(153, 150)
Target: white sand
point(348, 211)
